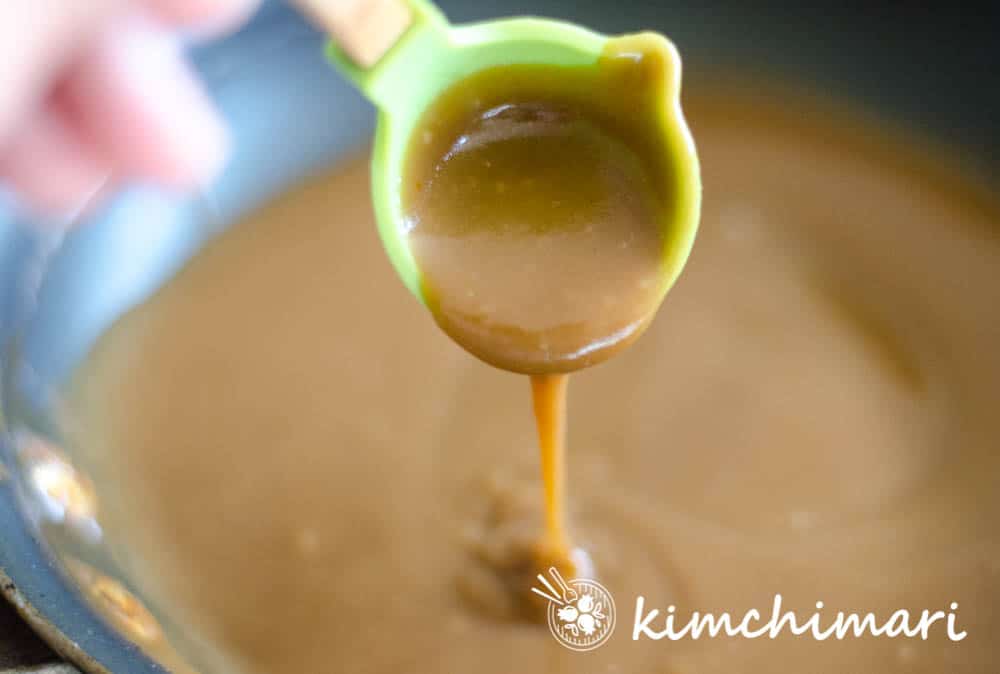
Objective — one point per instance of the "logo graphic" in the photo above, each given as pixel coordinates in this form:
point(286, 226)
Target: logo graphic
point(581, 612)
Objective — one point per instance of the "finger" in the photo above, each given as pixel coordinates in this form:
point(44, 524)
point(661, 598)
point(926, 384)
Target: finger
point(50, 166)
point(135, 98)
point(205, 16)
point(37, 39)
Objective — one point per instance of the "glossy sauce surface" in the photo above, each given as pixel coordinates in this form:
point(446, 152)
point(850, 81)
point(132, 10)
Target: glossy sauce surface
point(537, 200)
point(302, 473)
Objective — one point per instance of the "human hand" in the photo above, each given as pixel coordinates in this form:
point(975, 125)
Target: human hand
point(92, 90)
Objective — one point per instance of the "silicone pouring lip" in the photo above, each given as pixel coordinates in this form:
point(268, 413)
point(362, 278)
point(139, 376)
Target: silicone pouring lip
point(434, 55)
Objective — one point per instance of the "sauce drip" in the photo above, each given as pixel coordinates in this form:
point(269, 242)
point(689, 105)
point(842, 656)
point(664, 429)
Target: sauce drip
point(548, 392)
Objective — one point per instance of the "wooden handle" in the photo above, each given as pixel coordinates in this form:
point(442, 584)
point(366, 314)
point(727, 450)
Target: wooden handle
point(364, 29)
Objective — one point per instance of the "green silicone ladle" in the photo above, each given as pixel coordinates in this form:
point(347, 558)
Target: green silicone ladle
point(432, 55)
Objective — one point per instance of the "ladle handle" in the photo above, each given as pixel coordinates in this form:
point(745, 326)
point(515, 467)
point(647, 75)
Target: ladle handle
point(364, 29)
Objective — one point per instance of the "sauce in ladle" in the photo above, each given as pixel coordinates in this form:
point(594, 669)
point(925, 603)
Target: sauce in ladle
point(537, 199)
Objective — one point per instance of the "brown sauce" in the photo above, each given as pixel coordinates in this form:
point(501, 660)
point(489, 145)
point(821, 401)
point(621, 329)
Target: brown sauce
point(549, 397)
point(293, 486)
point(536, 199)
